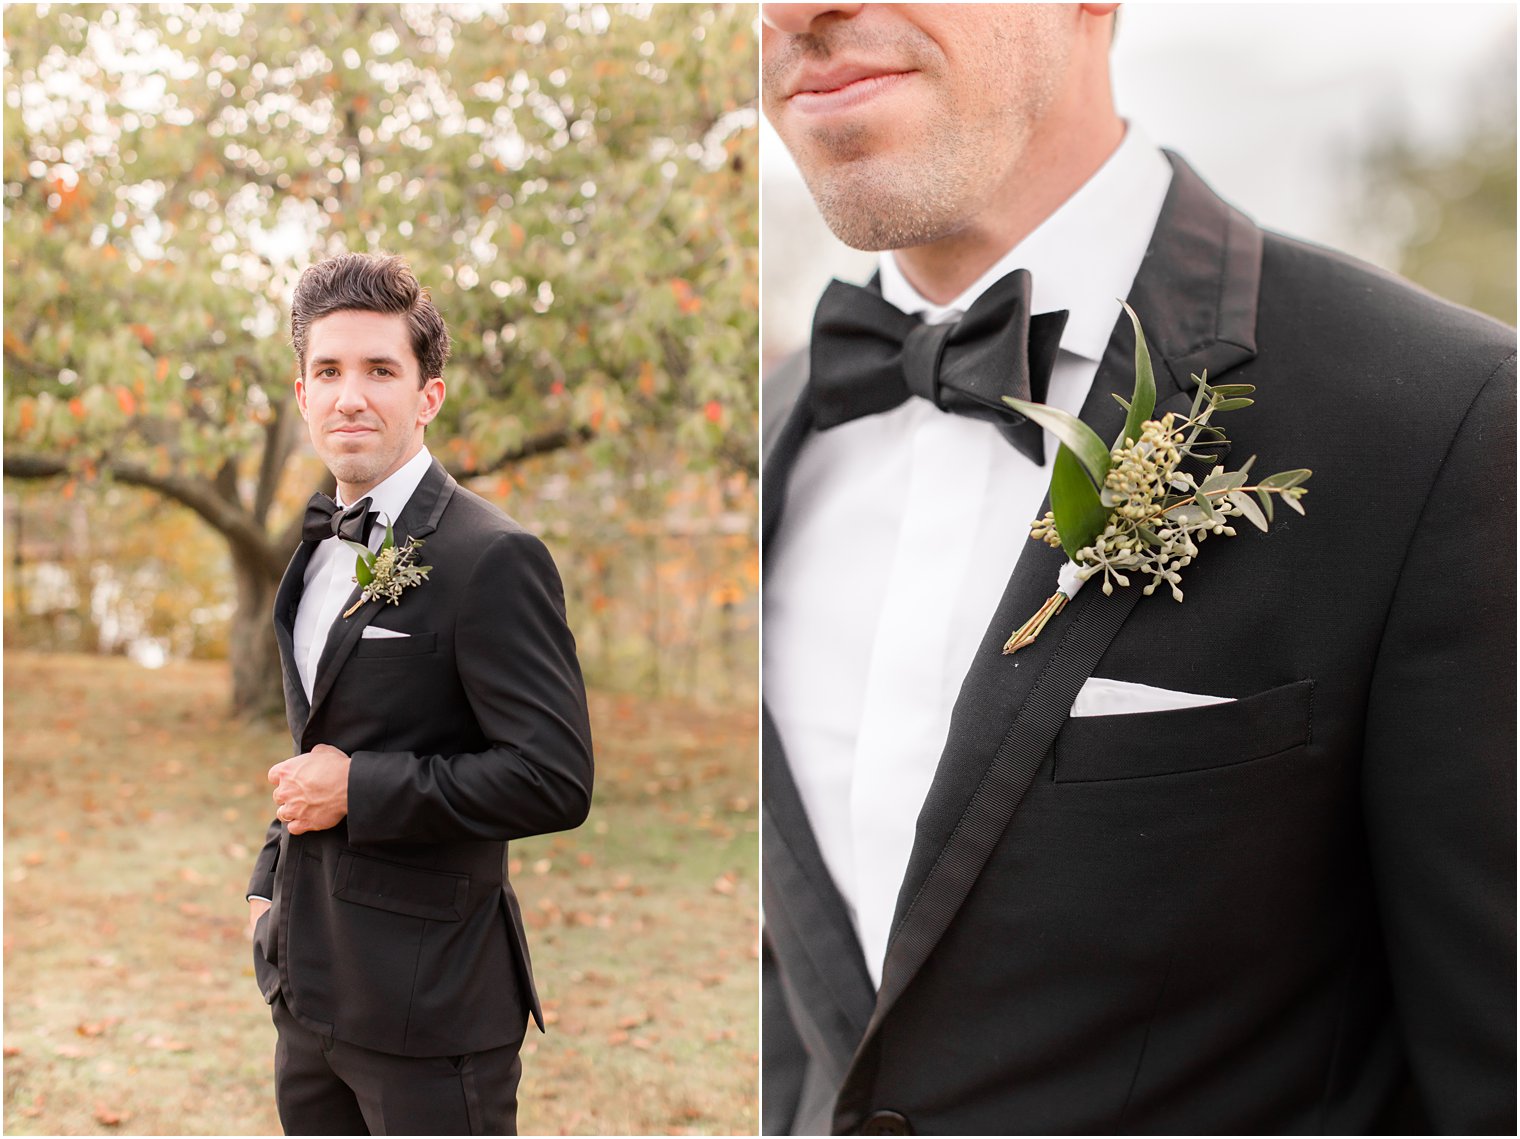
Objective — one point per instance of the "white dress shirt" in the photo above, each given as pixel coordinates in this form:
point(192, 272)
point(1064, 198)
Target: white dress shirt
point(330, 572)
point(900, 533)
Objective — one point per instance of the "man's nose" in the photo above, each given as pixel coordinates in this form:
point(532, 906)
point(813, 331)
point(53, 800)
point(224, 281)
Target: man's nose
point(794, 19)
point(350, 395)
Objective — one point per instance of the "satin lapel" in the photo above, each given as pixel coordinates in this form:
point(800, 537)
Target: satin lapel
point(802, 903)
point(286, 598)
point(418, 520)
point(1196, 295)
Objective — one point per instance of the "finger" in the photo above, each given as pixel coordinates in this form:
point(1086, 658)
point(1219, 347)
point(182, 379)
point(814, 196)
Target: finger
point(277, 772)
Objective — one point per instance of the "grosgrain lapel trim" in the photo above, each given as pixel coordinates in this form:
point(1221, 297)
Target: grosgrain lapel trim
point(418, 519)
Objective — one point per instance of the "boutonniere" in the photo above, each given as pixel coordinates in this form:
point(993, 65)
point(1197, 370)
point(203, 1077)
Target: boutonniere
point(385, 572)
point(1129, 509)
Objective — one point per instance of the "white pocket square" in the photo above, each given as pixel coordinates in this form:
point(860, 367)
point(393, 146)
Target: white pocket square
point(372, 631)
point(1100, 697)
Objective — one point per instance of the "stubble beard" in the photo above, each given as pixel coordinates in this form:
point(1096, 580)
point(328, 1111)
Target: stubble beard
point(897, 193)
point(875, 202)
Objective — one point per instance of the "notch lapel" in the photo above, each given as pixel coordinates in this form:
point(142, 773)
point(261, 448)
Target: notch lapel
point(286, 598)
point(418, 519)
point(1196, 293)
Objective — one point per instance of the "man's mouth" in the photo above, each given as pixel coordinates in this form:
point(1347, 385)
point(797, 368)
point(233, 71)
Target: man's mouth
point(841, 85)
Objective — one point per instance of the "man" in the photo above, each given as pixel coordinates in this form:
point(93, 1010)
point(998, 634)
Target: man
point(430, 732)
point(1240, 864)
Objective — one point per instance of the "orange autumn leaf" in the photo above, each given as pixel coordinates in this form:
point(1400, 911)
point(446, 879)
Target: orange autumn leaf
point(76, 407)
point(713, 411)
point(143, 333)
point(646, 377)
point(686, 301)
point(161, 373)
point(126, 401)
point(28, 417)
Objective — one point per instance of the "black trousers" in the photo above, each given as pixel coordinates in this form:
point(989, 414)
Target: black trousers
point(324, 1086)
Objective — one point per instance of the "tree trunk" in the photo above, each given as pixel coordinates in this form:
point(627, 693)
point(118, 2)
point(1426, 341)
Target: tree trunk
point(257, 689)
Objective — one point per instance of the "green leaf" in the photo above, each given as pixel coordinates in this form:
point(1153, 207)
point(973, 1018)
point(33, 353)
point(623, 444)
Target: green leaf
point(1233, 404)
point(1076, 436)
point(1293, 503)
point(1080, 515)
point(1188, 515)
point(1285, 479)
point(1143, 402)
point(1222, 480)
point(1228, 390)
point(1206, 506)
point(1124, 403)
point(1249, 508)
point(1266, 503)
point(364, 562)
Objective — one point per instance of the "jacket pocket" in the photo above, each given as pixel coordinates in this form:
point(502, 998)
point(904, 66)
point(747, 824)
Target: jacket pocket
point(435, 895)
point(418, 644)
point(1093, 748)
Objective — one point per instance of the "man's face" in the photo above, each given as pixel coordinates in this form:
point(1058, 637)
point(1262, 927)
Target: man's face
point(907, 119)
point(363, 397)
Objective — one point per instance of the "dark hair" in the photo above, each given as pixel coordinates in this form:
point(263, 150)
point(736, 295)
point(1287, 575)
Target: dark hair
point(369, 282)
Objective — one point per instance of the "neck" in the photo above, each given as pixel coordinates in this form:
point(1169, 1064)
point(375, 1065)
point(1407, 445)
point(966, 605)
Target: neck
point(1069, 149)
point(352, 492)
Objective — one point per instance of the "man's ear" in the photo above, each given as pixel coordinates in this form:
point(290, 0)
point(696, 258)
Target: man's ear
point(432, 400)
point(301, 395)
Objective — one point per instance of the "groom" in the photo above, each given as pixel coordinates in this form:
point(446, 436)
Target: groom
point(430, 732)
point(1240, 864)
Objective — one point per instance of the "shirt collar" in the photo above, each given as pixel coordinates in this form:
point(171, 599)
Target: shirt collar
point(395, 491)
point(1082, 258)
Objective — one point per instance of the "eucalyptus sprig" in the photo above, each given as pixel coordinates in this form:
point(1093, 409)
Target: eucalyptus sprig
point(386, 572)
point(1129, 508)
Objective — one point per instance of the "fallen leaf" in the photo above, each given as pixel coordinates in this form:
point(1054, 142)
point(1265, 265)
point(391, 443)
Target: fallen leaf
point(108, 1117)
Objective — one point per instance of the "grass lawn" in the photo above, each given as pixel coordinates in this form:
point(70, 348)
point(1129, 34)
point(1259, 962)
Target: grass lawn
point(133, 808)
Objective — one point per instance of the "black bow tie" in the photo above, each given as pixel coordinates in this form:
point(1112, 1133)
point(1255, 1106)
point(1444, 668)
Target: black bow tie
point(868, 356)
point(326, 519)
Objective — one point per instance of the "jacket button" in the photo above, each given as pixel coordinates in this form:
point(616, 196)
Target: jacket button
point(886, 1123)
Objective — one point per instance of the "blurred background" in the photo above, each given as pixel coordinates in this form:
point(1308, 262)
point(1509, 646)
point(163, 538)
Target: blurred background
point(1386, 131)
point(577, 185)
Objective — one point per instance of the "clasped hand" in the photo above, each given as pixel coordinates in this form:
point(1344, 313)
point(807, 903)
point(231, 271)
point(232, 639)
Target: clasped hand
point(311, 789)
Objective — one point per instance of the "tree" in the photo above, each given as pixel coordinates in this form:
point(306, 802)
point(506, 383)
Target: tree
point(575, 184)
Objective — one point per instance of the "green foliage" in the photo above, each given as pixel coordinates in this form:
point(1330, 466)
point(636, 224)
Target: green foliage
point(575, 186)
point(1453, 206)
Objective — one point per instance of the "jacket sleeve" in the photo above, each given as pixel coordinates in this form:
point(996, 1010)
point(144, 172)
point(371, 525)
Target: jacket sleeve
point(1439, 779)
point(261, 883)
point(516, 659)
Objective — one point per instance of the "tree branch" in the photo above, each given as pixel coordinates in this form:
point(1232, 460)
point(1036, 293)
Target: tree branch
point(541, 444)
point(227, 518)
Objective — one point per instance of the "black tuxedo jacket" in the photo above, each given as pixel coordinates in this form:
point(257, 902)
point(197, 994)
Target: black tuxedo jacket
point(397, 929)
point(1289, 913)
